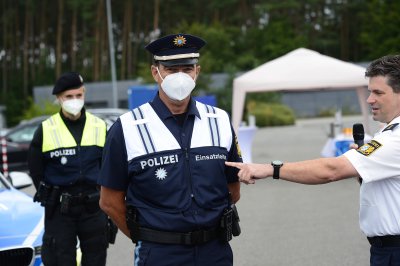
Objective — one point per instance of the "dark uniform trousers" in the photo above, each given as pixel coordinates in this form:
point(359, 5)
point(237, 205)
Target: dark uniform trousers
point(213, 253)
point(385, 256)
point(60, 242)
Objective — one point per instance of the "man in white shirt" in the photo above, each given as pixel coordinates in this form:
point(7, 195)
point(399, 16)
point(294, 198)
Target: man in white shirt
point(377, 163)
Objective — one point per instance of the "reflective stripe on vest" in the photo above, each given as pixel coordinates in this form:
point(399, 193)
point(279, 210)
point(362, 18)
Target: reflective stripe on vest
point(56, 134)
point(212, 121)
point(145, 133)
point(143, 130)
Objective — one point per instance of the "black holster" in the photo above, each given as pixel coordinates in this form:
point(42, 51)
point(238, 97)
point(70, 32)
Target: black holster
point(225, 226)
point(49, 197)
point(43, 193)
point(53, 201)
point(112, 231)
point(132, 224)
point(229, 224)
point(235, 221)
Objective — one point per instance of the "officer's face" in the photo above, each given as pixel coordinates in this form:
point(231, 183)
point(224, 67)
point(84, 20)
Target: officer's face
point(191, 70)
point(78, 93)
point(385, 104)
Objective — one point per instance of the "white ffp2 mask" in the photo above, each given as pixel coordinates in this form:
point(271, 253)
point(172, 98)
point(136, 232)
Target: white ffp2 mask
point(73, 106)
point(178, 85)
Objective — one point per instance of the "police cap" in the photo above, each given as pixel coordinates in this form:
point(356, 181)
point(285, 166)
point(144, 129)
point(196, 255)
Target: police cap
point(176, 49)
point(68, 81)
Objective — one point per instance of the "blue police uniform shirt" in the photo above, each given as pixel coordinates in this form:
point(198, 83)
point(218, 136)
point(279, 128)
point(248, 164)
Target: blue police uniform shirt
point(115, 173)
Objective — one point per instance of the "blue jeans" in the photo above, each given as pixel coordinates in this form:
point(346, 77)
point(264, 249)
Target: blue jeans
point(385, 256)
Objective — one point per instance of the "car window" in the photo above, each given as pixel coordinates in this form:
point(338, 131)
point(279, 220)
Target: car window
point(24, 134)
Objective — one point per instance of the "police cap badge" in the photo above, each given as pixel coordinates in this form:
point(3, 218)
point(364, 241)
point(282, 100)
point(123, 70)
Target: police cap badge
point(176, 49)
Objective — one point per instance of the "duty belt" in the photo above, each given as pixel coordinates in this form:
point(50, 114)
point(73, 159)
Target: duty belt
point(80, 198)
point(139, 233)
point(385, 241)
point(190, 238)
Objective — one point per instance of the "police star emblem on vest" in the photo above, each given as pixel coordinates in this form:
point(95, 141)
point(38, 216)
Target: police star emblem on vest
point(161, 174)
point(63, 160)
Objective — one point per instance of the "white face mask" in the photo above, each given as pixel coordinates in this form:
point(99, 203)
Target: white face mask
point(178, 85)
point(73, 106)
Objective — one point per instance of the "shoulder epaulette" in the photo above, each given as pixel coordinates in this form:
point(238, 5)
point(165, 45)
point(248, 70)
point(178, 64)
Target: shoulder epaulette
point(391, 127)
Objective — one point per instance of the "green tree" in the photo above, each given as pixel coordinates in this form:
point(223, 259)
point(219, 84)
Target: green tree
point(40, 39)
point(380, 34)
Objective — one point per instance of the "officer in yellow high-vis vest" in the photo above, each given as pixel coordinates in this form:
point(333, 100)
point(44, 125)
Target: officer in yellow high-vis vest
point(64, 162)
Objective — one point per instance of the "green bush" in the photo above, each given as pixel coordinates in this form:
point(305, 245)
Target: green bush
point(271, 114)
point(14, 109)
point(45, 108)
point(326, 112)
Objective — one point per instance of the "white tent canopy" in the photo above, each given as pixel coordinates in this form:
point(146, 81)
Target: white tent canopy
point(300, 70)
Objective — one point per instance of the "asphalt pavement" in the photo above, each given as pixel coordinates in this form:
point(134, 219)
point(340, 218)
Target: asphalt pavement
point(285, 223)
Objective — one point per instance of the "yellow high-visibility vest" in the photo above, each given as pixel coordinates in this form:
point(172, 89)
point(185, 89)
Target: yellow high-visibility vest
point(56, 134)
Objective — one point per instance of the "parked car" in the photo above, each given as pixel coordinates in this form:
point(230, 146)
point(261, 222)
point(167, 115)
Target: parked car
point(19, 138)
point(109, 115)
point(22, 223)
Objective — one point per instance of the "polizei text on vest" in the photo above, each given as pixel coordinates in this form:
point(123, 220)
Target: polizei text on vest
point(63, 152)
point(159, 161)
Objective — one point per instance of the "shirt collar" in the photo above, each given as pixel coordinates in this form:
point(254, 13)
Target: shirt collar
point(163, 112)
point(396, 120)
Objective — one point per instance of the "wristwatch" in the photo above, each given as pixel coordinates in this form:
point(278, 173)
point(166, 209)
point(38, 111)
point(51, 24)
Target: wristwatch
point(277, 166)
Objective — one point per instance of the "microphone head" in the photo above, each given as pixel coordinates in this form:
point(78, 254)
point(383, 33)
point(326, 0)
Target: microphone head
point(358, 131)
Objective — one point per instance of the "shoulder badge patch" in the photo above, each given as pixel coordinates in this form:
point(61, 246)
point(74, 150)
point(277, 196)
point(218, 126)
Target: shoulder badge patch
point(391, 127)
point(368, 148)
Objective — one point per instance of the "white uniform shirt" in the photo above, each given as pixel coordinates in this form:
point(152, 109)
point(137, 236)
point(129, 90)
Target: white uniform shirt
point(378, 163)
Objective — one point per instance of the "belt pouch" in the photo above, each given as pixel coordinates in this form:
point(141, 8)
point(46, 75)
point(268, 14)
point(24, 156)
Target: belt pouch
point(226, 225)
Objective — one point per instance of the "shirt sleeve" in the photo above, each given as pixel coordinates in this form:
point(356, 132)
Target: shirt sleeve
point(35, 157)
point(234, 155)
point(114, 167)
point(378, 159)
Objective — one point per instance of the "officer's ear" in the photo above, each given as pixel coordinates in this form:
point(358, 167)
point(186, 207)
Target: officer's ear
point(155, 73)
point(198, 67)
point(58, 99)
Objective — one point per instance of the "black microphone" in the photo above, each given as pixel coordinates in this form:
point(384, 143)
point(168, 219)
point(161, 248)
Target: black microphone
point(358, 134)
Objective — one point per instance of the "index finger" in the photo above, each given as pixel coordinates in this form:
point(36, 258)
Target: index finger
point(234, 164)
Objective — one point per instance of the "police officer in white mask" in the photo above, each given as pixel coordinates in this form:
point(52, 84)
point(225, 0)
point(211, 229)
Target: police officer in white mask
point(64, 161)
point(163, 177)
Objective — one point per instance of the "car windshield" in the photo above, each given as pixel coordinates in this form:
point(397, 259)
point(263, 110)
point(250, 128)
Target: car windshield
point(23, 135)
